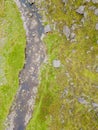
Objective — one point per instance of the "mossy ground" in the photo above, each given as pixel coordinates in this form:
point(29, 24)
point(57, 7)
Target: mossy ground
point(12, 46)
point(57, 106)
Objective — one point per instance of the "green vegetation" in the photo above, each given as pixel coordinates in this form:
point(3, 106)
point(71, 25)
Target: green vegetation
point(57, 106)
point(12, 45)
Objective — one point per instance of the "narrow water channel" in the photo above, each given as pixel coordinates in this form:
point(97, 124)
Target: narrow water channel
point(22, 107)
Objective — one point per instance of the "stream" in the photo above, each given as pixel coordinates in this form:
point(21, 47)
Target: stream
point(22, 108)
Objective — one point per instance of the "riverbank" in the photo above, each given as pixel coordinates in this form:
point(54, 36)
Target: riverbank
point(12, 50)
point(21, 111)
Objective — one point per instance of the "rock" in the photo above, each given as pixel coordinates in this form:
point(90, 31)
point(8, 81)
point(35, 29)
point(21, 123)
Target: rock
point(72, 36)
point(83, 20)
point(56, 63)
point(96, 27)
point(66, 31)
point(73, 27)
point(95, 105)
point(96, 70)
point(96, 12)
point(85, 15)
point(95, 1)
point(92, 8)
point(65, 1)
point(87, 0)
point(82, 101)
point(80, 10)
point(47, 28)
point(31, 1)
point(97, 42)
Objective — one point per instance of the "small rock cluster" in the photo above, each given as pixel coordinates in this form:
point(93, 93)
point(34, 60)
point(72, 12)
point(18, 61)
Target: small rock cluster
point(81, 10)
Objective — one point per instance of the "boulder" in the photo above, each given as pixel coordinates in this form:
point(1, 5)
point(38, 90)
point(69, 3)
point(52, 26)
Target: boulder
point(80, 10)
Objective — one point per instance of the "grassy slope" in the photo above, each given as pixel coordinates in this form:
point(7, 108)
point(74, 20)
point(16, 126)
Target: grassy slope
point(12, 44)
point(53, 109)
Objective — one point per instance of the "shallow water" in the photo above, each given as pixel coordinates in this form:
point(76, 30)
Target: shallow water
point(22, 107)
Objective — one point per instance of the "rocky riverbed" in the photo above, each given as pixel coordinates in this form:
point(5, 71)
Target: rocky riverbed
point(22, 107)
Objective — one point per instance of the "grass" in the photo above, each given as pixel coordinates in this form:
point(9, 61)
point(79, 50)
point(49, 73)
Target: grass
point(12, 46)
point(57, 106)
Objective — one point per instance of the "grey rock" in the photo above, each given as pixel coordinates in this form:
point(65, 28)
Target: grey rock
point(83, 20)
point(80, 10)
point(31, 1)
point(72, 36)
point(74, 26)
point(92, 8)
point(97, 41)
point(96, 12)
point(95, 105)
point(82, 101)
point(95, 1)
point(56, 63)
point(65, 1)
point(85, 14)
point(66, 31)
point(47, 28)
point(96, 27)
point(96, 69)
